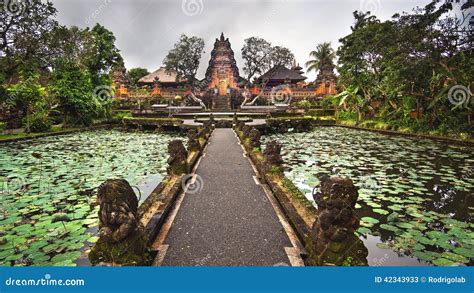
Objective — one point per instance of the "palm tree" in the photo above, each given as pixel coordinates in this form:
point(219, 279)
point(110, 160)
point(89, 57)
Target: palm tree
point(323, 55)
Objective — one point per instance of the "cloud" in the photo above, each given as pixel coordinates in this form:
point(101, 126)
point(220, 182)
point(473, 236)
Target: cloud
point(147, 29)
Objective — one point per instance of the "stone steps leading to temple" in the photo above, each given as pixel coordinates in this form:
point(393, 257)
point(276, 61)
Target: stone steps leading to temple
point(222, 103)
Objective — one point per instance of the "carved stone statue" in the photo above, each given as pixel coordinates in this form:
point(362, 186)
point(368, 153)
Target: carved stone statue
point(246, 130)
point(122, 239)
point(118, 210)
point(193, 140)
point(272, 154)
point(177, 161)
point(333, 239)
point(254, 137)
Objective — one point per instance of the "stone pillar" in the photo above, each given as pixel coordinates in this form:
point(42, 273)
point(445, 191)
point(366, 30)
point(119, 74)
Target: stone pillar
point(333, 240)
point(122, 239)
point(254, 137)
point(272, 154)
point(193, 141)
point(178, 160)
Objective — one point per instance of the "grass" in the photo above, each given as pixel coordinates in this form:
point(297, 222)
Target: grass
point(54, 129)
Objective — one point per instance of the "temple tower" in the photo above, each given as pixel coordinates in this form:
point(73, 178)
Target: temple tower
point(222, 73)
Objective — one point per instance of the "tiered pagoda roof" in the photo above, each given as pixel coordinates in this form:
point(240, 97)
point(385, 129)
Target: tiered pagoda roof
point(279, 74)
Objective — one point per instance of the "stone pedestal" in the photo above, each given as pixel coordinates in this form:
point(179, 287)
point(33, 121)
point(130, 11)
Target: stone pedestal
point(333, 240)
point(122, 240)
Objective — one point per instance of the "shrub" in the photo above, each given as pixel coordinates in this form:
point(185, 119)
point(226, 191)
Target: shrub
point(39, 122)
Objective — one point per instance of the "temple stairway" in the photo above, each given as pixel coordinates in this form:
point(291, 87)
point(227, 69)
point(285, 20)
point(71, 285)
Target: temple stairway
point(222, 103)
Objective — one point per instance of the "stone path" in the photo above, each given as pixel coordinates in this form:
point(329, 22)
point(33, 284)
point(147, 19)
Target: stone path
point(230, 221)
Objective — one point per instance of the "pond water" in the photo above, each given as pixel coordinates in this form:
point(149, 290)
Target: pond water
point(48, 210)
point(415, 195)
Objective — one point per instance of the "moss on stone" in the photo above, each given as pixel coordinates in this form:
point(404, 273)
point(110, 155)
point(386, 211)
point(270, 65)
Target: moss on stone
point(133, 251)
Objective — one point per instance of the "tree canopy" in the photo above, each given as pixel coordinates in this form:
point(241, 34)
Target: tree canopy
point(184, 58)
point(403, 69)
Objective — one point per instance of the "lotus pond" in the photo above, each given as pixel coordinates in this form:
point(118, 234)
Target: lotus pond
point(415, 195)
point(48, 212)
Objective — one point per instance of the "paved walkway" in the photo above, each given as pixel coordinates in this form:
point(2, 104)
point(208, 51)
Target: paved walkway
point(230, 221)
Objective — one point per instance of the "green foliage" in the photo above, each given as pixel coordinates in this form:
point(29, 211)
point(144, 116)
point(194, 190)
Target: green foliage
point(72, 87)
point(259, 56)
point(134, 74)
point(70, 62)
point(30, 97)
point(324, 55)
point(304, 104)
point(184, 58)
point(401, 70)
point(281, 56)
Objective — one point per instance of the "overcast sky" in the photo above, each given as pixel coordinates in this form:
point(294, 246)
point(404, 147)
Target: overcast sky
point(147, 29)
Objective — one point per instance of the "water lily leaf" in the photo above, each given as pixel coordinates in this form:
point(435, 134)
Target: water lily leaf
point(423, 240)
point(370, 220)
point(444, 262)
point(380, 211)
point(464, 252)
point(404, 225)
point(423, 255)
point(389, 228)
point(363, 230)
point(393, 217)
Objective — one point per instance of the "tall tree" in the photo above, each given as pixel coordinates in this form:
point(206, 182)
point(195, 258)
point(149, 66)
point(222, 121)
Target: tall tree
point(405, 68)
point(324, 55)
point(281, 56)
point(256, 53)
point(24, 33)
point(134, 74)
point(184, 58)
point(72, 87)
point(102, 55)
